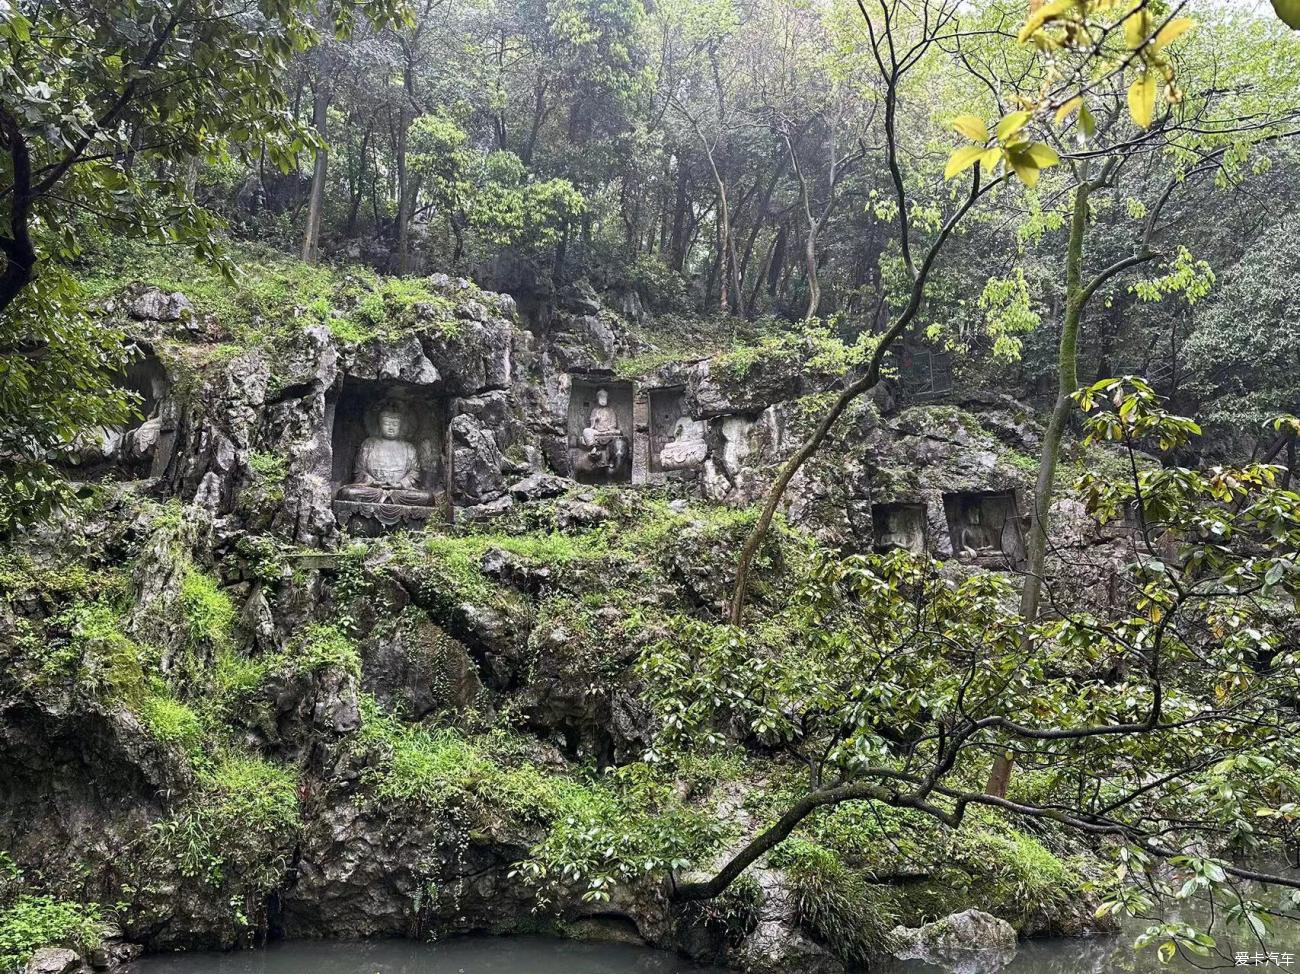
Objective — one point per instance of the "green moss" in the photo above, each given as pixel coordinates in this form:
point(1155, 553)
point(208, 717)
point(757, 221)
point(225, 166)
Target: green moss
point(33, 922)
point(99, 655)
point(172, 722)
point(207, 611)
point(273, 297)
point(325, 646)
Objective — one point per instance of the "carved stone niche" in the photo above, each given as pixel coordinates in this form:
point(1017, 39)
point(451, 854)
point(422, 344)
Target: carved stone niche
point(985, 528)
point(600, 431)
point(899, 525)
point(677, 442)
point(389, 456)
point(143, 446)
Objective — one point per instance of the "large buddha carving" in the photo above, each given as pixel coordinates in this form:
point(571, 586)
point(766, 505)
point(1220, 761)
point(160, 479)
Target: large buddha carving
point(388, 468)
point(605, 442)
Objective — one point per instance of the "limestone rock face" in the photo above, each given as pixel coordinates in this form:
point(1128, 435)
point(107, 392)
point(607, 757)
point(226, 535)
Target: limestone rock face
point(970, 942)
point(156, 305)
point(777, 945)
point(257, 449)
point(476, 460)
point(53, 960)
point(419, 669)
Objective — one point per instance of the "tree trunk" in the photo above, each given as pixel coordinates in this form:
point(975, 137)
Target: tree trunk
point(315, 210)
point(1067, 381)
point(404, 200)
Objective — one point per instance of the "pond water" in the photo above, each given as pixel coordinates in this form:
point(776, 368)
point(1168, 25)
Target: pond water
point(1112, 954)
point(466, 955)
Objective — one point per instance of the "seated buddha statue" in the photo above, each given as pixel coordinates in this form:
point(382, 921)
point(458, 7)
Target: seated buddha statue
point(978, 538)
point(604, 439)
point(602, 422)
point(387, 468)
point(687, 448)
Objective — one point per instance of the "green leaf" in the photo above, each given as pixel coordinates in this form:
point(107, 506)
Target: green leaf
point(1011, 124)
point(973, 127)
point(961, 160)
point(1142, 99)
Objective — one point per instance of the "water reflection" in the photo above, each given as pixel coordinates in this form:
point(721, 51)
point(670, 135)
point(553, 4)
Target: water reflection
point(469, 955)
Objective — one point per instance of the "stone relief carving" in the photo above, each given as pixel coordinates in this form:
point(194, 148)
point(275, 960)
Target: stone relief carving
point(388, 468)
point(899, 526)
point(677, 440)
point(985, 526)
point(688, 447)
point(130, 449)
point(389, 481)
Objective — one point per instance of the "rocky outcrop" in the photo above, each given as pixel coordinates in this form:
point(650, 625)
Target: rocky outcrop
point(970, 942)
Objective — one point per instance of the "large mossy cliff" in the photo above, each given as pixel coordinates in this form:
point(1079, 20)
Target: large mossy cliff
point(222, 718)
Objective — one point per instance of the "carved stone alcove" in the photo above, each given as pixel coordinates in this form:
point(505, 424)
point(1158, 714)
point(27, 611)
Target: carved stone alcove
point(899, 525)
point(985, 527)
point(677, 442)
point(389, 455)
point(600, 430)
point(141, 447)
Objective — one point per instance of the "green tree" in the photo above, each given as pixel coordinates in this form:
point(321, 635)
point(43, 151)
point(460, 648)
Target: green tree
point(1162, 725)
point(104, 111)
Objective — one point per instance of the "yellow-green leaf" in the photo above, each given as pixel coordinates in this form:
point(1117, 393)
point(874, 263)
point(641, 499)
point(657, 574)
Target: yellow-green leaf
point(1136, 27)
point(1025, 167)
point(990, 159)
point(1142, 98)
point(1087, 122)
point(1048, 11)
point(1043, 155)
point(1288, 11)
point(1011, 124)
point(1173, 30)
point(962, 159)
point(973, 127)
point(1069, 108)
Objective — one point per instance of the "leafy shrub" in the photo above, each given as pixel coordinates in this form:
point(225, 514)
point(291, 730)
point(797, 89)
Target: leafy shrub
point(324, 646)
point(32, 922)
point(242, 822)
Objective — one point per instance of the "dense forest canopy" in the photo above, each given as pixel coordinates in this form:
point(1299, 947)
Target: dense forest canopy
point(1083, 212)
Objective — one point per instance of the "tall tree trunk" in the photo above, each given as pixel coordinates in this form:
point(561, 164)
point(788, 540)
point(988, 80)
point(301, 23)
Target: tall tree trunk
point(315, 209)
point(1067, 381)
point(404, 201)
point(677, 245)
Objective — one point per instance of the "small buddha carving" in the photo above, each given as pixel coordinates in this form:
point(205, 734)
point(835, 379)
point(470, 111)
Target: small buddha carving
point(901, 530)
point(387, 468)
point(977, 537)
point(687, 448)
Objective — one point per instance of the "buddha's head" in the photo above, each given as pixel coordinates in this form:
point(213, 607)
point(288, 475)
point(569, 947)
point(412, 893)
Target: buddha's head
point(602, 397)
point(975, 515)
point(390, 422)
